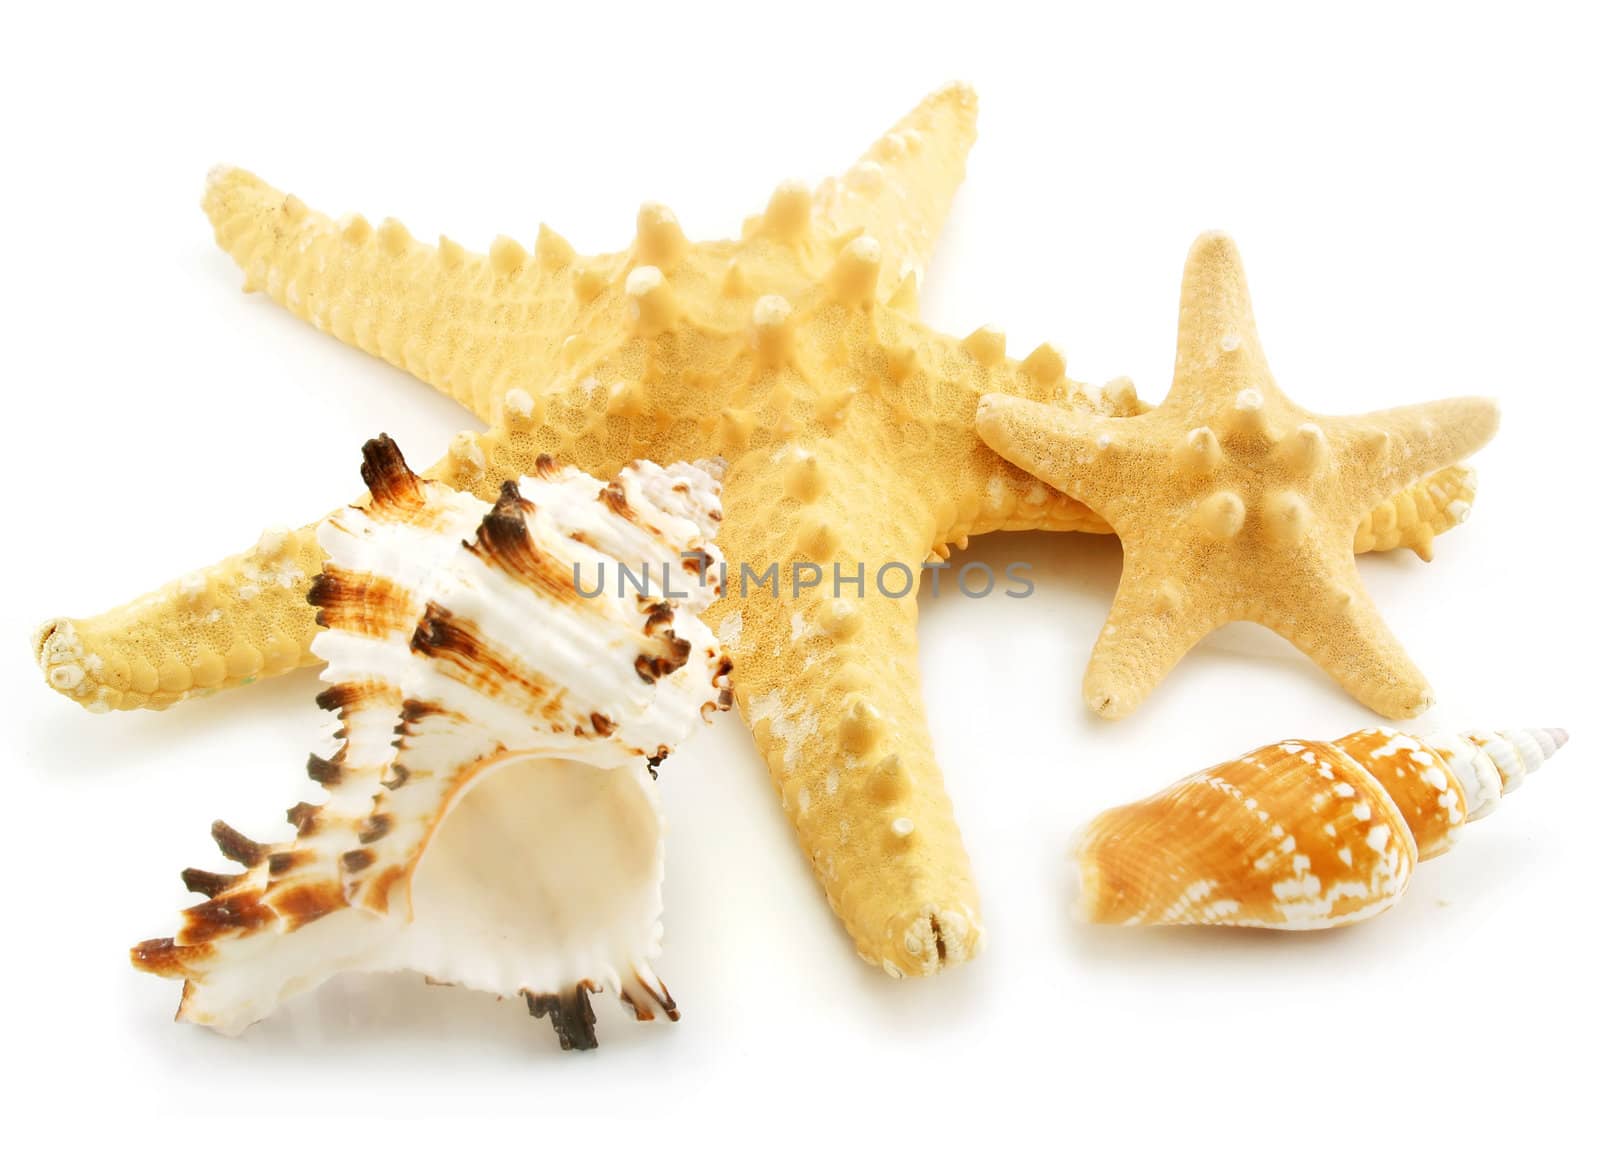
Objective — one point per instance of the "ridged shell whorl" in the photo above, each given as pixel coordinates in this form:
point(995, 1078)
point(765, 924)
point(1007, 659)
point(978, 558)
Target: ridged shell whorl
point(1297, 835)
point(491, 816)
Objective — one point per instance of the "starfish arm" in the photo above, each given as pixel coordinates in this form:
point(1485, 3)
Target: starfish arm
point(829, 685)
point(1217, 336)
point(901, 189)
point(1413, 517)
point(1083, 454)
point(1150, 628)
point(246, 617)
point(239, 620)
point(1339, 627)
point(1393, 449)
point(471, 326)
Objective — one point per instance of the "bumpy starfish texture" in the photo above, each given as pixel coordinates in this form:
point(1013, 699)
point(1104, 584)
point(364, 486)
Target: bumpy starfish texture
point(1233, 503)
point(795, 355)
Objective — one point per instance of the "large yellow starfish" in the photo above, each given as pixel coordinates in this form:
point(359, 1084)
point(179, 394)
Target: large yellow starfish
point(1233, 503)
point(795, 354)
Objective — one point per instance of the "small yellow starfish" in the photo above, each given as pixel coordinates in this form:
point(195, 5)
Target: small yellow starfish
point(1232, 503)
point(793, 353)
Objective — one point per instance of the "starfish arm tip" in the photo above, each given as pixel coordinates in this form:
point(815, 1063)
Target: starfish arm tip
point(901, 189)
point(1490, 408)
point(1406, 699)
point(931, 939)
point(1411, 443)
point(1422, 701)
point(1213, 243)
point(1145, 635)
point(242, 619)
point(1106, 700)
point(1345, 634)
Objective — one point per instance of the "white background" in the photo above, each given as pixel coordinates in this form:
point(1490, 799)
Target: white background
point(1414, 193)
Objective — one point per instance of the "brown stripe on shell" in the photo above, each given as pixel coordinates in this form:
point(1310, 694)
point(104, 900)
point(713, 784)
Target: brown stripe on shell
point(571, 1014)
point(281, 862)
point(644, 1012)
point(208, 883)
point(236, 846)
point(375, 827)
point(394, 486)
point(654, 667)
point(504, 542)
point(511, 501)
point(658, 626)
point(344, 696)
point(415, 710)
point(546, 467)
point(323, 771)
point(640, 1012)
point(360, 602)
point(226, 915)
point(658, 618)
point(358, 860)
point(397, 776)
point(616, 499)
point(301, 903)
point(375, 890)
point(166, 957)
point(477, 662)
point(304, 817)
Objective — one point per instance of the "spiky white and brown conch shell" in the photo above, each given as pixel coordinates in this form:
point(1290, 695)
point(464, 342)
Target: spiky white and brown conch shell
point(1297, 835)
point(503, 698)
